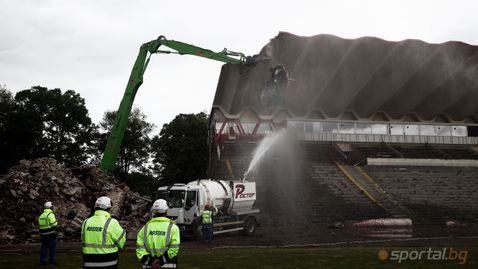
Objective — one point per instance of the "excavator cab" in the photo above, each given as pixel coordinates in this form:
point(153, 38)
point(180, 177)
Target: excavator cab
point(274, 90)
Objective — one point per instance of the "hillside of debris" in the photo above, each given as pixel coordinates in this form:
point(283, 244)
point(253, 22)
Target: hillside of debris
point(26, 187)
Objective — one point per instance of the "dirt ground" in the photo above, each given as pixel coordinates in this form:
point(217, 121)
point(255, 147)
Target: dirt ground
point(302, 236)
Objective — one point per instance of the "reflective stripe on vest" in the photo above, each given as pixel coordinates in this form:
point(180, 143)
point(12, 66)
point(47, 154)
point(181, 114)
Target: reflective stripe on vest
point(100, 264)
point(103, 239)
point(119, 238)
point(159, 251)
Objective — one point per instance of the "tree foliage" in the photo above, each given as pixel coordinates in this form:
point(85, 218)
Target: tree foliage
point(6, 106)
point(47, 123)
point(180, 150)
point(144, 183)
point(41, 122)
point(135, 148)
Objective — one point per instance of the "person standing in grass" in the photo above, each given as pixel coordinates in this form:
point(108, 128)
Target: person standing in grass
point(48, 225)
point(206, 218)
point(102, 237)
point(157, 244)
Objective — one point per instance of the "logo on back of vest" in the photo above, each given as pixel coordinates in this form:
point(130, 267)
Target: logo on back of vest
point(157, 233)
point(94, 229)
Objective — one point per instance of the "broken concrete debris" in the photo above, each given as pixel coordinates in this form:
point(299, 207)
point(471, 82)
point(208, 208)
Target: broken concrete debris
point(26, 187)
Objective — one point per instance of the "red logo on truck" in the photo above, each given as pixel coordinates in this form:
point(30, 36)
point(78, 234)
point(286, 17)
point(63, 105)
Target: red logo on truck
point(240, 188)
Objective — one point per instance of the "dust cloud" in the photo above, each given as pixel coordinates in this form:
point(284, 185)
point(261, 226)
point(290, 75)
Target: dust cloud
point(276, 169)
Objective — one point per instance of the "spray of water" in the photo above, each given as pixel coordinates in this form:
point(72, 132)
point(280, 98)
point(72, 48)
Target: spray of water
point(266, 144)
point(276, 167)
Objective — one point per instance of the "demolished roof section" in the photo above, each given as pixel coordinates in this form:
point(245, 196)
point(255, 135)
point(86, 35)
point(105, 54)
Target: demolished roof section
point(331, 76)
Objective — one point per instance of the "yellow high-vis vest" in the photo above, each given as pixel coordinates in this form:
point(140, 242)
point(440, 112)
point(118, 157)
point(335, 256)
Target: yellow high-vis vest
point(158, 236)
point(206, 217)
point(47, 222)
point(102, 234)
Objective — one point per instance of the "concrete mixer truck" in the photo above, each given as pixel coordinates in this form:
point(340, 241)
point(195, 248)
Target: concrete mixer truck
point(232, 203)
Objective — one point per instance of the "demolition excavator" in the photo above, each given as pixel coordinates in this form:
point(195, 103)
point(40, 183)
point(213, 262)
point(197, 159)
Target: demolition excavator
point(110, 155)
point(115, 139)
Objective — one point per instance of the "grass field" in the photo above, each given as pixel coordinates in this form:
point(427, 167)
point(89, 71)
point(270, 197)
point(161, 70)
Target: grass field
point(346, 257)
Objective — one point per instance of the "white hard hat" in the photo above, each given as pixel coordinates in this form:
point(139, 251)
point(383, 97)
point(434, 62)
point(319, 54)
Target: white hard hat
point(104, 202)
point(160, 206)
point(48, 205)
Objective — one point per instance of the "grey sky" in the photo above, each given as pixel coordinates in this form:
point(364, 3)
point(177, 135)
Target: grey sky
point(90, 46)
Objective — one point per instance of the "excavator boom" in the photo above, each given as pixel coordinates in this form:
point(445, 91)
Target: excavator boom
point(115, 139)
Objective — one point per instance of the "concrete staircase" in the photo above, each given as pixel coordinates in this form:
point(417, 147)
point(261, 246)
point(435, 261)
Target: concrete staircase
point(432, 194)
point(373, 191)
point(336, 197)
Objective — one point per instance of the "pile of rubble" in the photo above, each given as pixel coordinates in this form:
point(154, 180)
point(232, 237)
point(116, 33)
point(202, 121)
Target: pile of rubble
point(26, 187)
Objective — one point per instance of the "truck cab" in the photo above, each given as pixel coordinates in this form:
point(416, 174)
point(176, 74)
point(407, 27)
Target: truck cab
point(183, 204)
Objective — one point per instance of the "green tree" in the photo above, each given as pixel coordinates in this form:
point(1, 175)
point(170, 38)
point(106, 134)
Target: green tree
point(180, 150)
point(135, 149)
point(6, 100)
point(49, 123)
point(144, 183)
point(6, 107)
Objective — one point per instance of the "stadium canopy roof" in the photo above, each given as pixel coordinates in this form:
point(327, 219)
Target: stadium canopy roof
point(366, 79)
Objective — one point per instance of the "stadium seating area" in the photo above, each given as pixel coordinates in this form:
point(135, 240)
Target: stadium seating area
point(319, 191)
point(460, 152)
point(337, 197)
point(433, 194)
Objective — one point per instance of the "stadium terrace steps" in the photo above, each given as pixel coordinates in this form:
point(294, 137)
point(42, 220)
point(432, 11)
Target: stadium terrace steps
point(375, 150)
point(339, 199)
point(432, 194)
point(373, 191)
point(323, 194)
point(320, 195)
point(461, 153)
point(418, 152)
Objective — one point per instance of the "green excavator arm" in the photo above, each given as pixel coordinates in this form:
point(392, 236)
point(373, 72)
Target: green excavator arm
point(115, 139)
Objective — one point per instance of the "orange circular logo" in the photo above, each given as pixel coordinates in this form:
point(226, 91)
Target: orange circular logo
point(383, 254)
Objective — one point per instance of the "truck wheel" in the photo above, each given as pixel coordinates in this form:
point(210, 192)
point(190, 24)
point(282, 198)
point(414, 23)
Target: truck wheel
point(250, 225)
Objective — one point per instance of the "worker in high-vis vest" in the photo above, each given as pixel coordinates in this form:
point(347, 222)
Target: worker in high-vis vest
point(48, 225)
point(206, 219)
point(157, 244)
point(102, 237)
